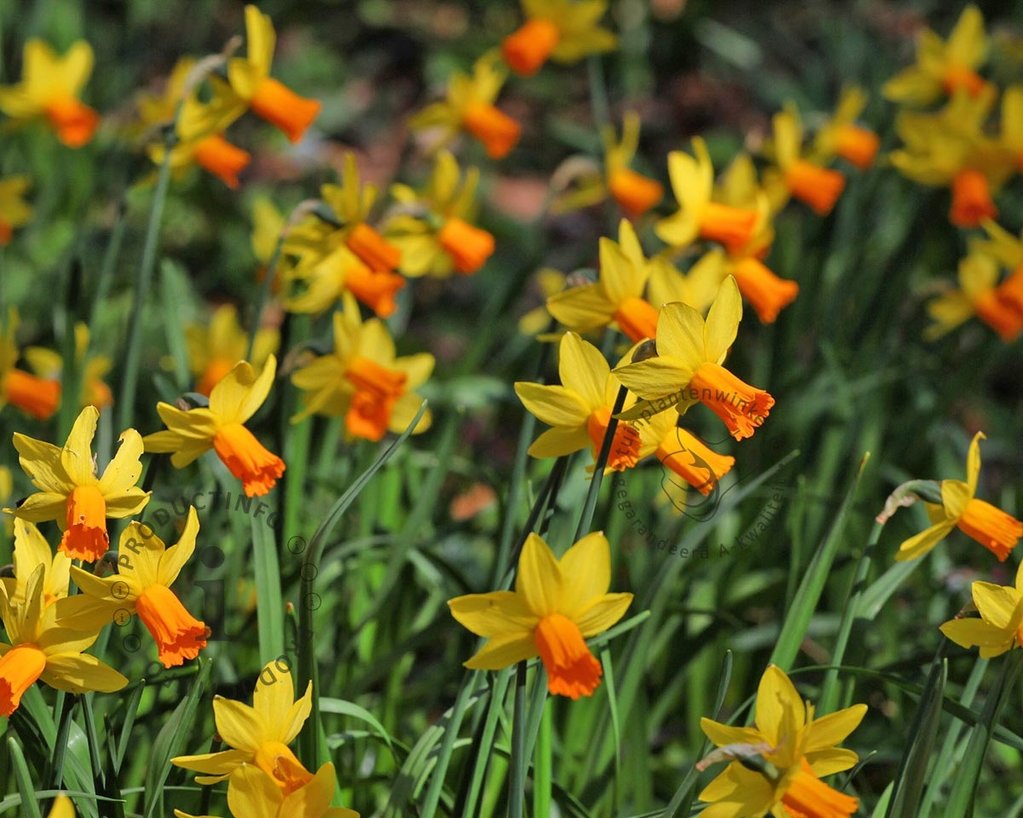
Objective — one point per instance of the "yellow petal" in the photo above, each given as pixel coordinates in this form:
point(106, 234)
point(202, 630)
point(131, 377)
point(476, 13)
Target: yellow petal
point(138, 555)
point(314, 798)
point(582, 369)
point(967, 45)
point(955, 494)
point(680, 333)
point(124, 470)
point(239, 725)
point(832, 729)
point(253, 793)
point(76, 456)
point(919, 544)
point(41, 462)
point(997, 604)
point(619, 277)
point(723, 734)
point(288, 726)
point(498, 654)
point(968, 633)
point(663, 377)
point(582, 308)
point(174, 558)
point(81, 673)
point(501, 614)
point(586, 569)
point(777, 701)
point(240, 393)
point(62, 808)
point(830, 761)
point(538, 579)
point(722, 321)
point(973, 462)
point(553, 405)
point(602, 614)
point(43, 505)
point(558, 442)
point(221, 763)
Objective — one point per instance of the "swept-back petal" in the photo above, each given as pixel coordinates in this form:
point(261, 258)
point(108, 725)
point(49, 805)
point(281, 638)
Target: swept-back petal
point(582, 369)
point(554, 405)
point(997, 604)
point(76, 456)
point(237, 397)
point(586, 569)
point(777, 701)
point(723, 321)
point(496, 614)
point(602, 614)
point(833, 728)
point(81, 673)
point(501, 653)
point(239, 725)
point(538, 579)
point(124, 470)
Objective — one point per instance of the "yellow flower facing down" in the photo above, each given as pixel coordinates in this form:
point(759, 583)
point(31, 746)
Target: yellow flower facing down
point(49, 89)
point(49, 364)
point(565, 31)
point(1000, 306)
point(943, 66)
point(698, 216)
point(363, 380)
point(617, 295)
point(70, 491)
point(268, 98)
point(687, 368)
point(146, 569)
point(555, 607)
point(579, 409)
point(1000, 626)
point(798, 746)
point(842, 136)
point(251, 793)
point(221, 427)
point(795, 175)
point(15, 212)
point(993, 528)
point(258, 735)
point(433, 227)
point(469, 106)
point(214, 350)
point(35, 396)
point(40, 650)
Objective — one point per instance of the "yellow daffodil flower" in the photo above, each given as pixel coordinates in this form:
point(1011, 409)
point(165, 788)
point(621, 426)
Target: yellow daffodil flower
point(363, 380)
point(586, 184)
point(157, 110)
point(268, 98)
point(15, 212)
point(687, 368)
point(49, 88)
point(221, 427)
point(841, 136)
point(950, 148)
point(433, 228)
point(1000, 626)
point(252, 793)
point(943, 66)
point(41, 650)
point(617, 295)
point(258, 735)
point(200, 130)
point(48, 364)
point(72, 494)
point(692, 181)
point(565, 31)
point(1000, 306)
point(215, 350)
point(146, 569)
point(1012, 122)
point(579, 409)
point(795, 175)
point(800, 749)
point(37, 397)
point(469, 106)
point(352, 256)
point(682, 452)
point(993, 528)
point(555, 607)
